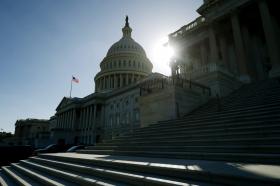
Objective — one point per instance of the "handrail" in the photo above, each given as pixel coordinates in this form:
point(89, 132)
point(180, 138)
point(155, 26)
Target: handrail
point(151, 85)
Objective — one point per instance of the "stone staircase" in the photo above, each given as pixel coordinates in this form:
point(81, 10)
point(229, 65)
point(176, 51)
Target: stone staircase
point(231, 141)
point(243, 127)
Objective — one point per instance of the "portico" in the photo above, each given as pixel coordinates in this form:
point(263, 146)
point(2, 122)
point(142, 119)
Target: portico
point(219, 42)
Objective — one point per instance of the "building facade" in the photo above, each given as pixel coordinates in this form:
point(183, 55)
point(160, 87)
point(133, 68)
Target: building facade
point(232, 42)
point(34, 132)
point(113, 108)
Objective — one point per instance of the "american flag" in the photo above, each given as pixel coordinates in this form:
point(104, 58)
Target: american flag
point(76, 80)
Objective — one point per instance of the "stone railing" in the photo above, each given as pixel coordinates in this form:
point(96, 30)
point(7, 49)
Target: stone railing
point(157, 84)
point(205, 69)
point(188, 27)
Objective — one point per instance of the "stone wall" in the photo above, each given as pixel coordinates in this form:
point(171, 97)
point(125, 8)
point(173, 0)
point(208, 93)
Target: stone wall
point(169, 103)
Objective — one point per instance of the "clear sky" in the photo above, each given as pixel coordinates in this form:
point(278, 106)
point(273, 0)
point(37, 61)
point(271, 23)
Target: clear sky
point(44, 42)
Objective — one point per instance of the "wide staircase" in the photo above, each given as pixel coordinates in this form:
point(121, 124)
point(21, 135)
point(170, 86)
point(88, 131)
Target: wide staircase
point(229, 141)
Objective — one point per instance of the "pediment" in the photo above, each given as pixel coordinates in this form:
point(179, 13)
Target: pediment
point(65, 101)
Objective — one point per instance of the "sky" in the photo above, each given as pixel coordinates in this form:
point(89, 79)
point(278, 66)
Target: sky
point(43, 43)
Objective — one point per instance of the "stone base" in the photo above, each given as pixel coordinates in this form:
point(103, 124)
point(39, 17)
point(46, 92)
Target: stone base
point(275, 71)
point(169, 103)
point(220, 83)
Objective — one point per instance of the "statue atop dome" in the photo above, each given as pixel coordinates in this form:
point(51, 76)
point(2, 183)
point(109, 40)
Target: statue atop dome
point(126, 29)
point(126, 21)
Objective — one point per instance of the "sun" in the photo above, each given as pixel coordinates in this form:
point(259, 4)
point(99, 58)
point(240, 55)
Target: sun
point(162, 54)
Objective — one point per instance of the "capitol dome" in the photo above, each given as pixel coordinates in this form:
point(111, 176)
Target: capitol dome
point(125, 63)
point(124, 45)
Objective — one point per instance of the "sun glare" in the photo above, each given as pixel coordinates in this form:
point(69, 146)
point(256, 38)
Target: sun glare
point(162, 55)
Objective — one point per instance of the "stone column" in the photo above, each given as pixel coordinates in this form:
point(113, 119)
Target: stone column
point(121, 80)
point(240, 49)
point(115, 81)
point(90, 117)
point(88, 123)
point(87, 117)
point(104, 82)
point(82, 118)
point(73, 119)
point(213, 46)
point(203, 54)
point(70, 119)
point(118, 79)
point(126, 79)
point(270, 37)
point(67, 119)
point(132, 78)
point(63, 119)
point(224, 47)
point(58, 121)
point(94, 112)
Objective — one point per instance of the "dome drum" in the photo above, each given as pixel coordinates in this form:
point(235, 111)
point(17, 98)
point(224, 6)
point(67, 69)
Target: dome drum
point(111, 81)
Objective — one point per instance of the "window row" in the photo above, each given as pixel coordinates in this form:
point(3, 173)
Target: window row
point(122, 119)
point(123, 64)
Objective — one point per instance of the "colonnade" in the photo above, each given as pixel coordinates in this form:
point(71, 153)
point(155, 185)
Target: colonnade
point(66, 120)
point(218, 46)
point(112, 81)
point(87, 117)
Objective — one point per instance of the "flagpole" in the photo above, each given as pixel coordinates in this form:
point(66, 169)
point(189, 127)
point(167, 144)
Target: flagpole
point(71, 86)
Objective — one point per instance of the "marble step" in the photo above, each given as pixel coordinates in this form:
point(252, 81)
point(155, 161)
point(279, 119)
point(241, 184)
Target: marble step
point(198, 142)
point(218, 172)
point(6, 180)
point(233, 157)
point(77, 178)
point(268, 149)
point(210, 127)
point(16, 178)
point(272, 126)
point(260, 109)
point(214, 125)
point(224, 115)
point(38, 177)
point(190, 136)
point(127, 177)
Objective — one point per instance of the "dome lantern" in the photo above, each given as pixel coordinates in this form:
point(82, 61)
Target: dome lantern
point(126, 29)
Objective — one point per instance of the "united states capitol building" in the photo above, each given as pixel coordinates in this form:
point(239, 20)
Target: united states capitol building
point(214, 55)
point(214, 121)
point(114, 106)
